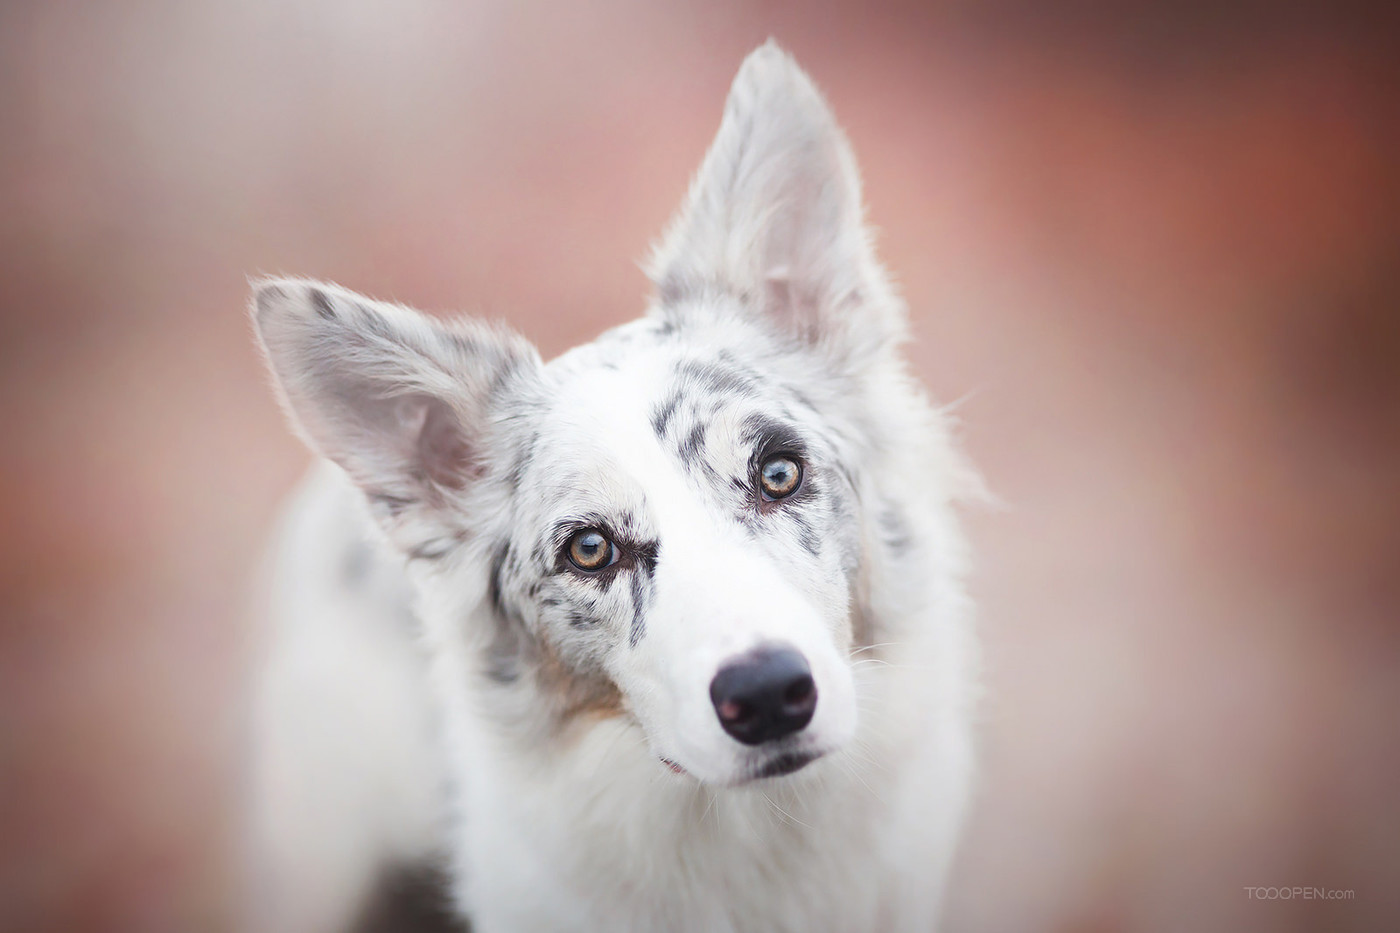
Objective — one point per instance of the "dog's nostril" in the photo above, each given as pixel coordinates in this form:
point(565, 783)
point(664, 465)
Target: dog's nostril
point(764, 695)
point(732, 711)
point(802, 693)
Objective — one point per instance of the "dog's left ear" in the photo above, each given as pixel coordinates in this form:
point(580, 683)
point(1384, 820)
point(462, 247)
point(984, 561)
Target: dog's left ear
point(774, 218)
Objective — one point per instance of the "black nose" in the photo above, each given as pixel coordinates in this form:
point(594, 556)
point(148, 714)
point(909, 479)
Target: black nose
point(764, 695)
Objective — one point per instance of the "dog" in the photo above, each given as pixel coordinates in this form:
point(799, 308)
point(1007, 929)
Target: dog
point(668, 633)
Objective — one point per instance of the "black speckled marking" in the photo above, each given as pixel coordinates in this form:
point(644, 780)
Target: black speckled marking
point(498, 563)
point(807, 535)
point(322, 303)
point(435, 549)
point(894, 531)
point(717, 379)
point(390, 503)
point(643, 577)
point(694, 442)
point(661, 418)
point(639, 623)
point(580, 619)
point(268, 296)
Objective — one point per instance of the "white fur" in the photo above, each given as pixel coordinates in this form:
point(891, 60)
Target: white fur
point(469, 448)
point(346, 775)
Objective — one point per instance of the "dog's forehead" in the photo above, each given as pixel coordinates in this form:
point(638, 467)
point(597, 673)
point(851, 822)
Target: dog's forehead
point(599, 391)
point(639, 386)
point(600, 407)
point(625, 421)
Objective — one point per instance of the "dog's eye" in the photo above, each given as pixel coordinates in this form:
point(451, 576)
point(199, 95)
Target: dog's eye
point(780, 477)
point(590, 550)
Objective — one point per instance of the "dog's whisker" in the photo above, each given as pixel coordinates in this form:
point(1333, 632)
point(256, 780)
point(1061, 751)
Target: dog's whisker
point(786, 815)
point(883, 644)
point(852, 770)
point(709, 806)
point(875, 661)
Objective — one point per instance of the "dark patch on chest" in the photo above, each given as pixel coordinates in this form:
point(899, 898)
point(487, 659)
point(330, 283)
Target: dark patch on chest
point(411, 899)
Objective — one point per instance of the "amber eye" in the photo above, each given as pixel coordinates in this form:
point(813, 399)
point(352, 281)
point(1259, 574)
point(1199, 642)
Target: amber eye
point(590, 550)
point(780, 477)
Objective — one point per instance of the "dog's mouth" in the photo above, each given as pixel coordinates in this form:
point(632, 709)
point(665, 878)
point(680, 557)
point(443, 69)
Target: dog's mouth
point(779, 765)
point(783, 764)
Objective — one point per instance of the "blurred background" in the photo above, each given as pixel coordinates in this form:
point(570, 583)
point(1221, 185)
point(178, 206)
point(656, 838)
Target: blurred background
point(1155, 252)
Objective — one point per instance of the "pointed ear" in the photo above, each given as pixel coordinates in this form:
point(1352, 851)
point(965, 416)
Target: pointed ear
point(774, 217)
point(400, 401)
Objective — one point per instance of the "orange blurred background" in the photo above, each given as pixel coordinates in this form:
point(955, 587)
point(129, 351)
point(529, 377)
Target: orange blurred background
point(1157, 257)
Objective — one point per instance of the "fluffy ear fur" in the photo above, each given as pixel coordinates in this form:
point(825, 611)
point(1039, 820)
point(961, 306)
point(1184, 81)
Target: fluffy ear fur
point(774, 217)
point(401, 402)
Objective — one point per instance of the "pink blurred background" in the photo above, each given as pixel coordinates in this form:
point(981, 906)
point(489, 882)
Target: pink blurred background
point(1157, 256)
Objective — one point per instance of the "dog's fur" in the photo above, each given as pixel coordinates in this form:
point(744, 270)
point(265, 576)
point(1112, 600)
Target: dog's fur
point(460, 688)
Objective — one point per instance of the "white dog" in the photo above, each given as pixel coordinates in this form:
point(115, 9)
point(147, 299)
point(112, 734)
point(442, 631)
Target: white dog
point(665, 634)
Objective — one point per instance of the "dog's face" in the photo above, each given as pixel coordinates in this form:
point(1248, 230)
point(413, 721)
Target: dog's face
point(683, 526)
point(668, 523)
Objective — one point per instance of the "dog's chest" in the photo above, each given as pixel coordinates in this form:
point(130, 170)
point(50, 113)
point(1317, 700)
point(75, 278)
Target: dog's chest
point(650, 858)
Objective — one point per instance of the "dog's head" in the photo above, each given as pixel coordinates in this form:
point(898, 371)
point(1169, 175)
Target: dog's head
point(673, 523)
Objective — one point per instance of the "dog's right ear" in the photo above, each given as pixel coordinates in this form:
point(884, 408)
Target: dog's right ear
point(401, 402)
